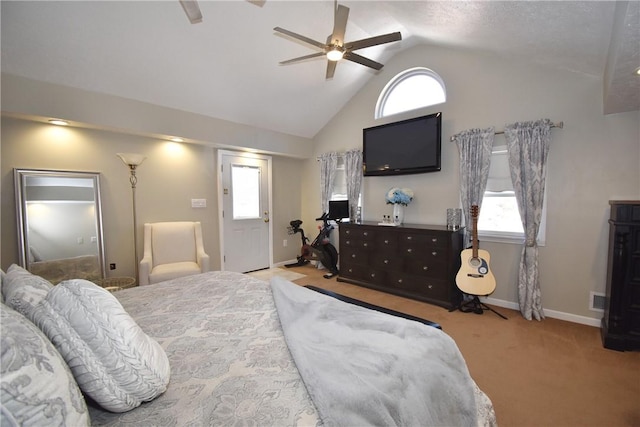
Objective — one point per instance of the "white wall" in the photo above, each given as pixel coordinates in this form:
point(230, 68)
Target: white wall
point(595, 158)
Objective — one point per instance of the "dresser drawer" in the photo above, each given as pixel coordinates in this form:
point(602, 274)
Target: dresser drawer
point(357, 243)
point(385, 241)
point(422, 240)
point(353, 255)
point(364, 273)
point(418, 285)
point(426, 267)
point(427, 254)
point(388, 260)
point(359, 233)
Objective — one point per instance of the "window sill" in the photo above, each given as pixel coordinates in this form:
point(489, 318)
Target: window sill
point(505, 237)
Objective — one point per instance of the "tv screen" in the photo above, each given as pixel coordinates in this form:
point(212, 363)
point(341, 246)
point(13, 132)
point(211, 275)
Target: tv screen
point(338, 209)
point(404, 147)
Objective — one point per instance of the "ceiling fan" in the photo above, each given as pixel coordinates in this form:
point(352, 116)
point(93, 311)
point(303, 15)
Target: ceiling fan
point(336, 49)
point(192, 9)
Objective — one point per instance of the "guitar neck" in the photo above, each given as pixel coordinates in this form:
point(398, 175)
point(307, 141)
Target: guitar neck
point(474, 235)
point(474, 231)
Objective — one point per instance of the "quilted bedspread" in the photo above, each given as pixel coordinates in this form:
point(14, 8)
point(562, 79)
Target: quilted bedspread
point(230, 364)
point(229, 361)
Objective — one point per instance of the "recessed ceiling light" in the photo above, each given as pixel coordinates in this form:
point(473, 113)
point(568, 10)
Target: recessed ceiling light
point(637, 72)
point(177, 139)
point(59, 122)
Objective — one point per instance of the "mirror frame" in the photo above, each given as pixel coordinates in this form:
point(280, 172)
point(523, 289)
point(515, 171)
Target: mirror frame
point(20, 177)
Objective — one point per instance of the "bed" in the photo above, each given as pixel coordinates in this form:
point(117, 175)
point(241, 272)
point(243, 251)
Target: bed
point(243, 351)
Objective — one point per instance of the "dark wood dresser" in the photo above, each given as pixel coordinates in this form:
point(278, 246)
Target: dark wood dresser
point(414, 261)
point(621, 321)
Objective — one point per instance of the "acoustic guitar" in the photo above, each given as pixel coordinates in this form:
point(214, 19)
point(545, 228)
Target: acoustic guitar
point(475, 276)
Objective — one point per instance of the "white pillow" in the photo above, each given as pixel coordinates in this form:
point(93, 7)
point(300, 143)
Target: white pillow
point(22, 290)
point(36, 387)
point(113, 360)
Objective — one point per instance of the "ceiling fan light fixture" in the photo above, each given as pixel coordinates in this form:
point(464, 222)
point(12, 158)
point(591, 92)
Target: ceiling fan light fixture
point(335, 54)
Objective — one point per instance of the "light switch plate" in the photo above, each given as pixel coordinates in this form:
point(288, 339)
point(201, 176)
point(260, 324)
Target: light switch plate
point(198, 203)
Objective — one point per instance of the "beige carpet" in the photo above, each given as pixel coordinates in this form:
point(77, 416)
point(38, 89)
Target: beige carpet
point(282, 272)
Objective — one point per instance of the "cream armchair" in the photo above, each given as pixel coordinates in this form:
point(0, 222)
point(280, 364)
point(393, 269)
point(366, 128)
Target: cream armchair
point(172, 249)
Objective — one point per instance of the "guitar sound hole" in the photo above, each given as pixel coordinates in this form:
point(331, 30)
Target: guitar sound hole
point(475, 262)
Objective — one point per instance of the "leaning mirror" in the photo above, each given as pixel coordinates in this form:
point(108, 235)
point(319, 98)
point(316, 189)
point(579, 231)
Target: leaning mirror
point(60, 224)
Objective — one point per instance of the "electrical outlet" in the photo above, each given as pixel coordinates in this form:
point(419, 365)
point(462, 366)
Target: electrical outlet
point(112, 266)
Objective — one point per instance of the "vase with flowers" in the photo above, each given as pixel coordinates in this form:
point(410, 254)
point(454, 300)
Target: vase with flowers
point(399, 198)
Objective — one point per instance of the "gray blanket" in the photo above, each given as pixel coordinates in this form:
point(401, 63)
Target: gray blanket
point(363, 367)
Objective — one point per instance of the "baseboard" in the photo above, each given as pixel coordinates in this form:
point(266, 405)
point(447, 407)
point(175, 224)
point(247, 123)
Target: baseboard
point(291, 261)
point(283, 263)
point(583, 320)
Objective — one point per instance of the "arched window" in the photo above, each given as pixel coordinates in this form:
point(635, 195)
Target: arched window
point(409, 90)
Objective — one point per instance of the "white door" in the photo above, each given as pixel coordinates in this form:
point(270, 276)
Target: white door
point(245, 211)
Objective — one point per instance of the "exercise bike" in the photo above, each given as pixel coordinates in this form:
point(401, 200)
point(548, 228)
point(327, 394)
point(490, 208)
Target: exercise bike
point(320, 249)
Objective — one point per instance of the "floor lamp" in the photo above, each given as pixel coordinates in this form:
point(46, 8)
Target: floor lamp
point(133, 160)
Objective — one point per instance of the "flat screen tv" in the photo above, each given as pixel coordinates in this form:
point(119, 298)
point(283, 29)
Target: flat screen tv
point(404, 147)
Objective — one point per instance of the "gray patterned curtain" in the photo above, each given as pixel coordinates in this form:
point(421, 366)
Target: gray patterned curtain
point(475, 147)
point(353, 171)
point(528, 145)
point(328, 165)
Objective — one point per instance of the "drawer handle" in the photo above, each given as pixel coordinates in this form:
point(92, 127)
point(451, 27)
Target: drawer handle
point(348, 232)
point(353, 255)
point(434, 253)
point(399, 280)
point(373, 274)
point(386, 261)
point(365, 244)
point(365, 233)
point(434, 240)
point(425, 268)
point(348, 242)
point(409, 250)
point(430, 286)
point(351, 270)
point(386, 242)
point(409, 237)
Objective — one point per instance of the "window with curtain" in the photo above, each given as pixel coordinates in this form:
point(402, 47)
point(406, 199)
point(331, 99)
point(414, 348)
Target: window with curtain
point(340, 183)
point(499, 218)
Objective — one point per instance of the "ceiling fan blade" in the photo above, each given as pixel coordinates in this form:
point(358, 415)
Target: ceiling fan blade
point(301, 38)
point(302, 58)
point(354, 57)
point(340, 25)
point(331, 68)
point(258, 3)
point(192, 10)
point(373, 41)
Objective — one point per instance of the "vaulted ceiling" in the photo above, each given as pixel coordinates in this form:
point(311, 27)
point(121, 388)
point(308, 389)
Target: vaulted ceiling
point(227, 66)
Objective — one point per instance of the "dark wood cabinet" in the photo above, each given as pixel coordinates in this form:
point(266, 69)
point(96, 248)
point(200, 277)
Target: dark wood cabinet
point(621, 321)
point(414, 261)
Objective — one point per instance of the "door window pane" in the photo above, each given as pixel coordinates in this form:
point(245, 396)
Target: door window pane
point(245, 185)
